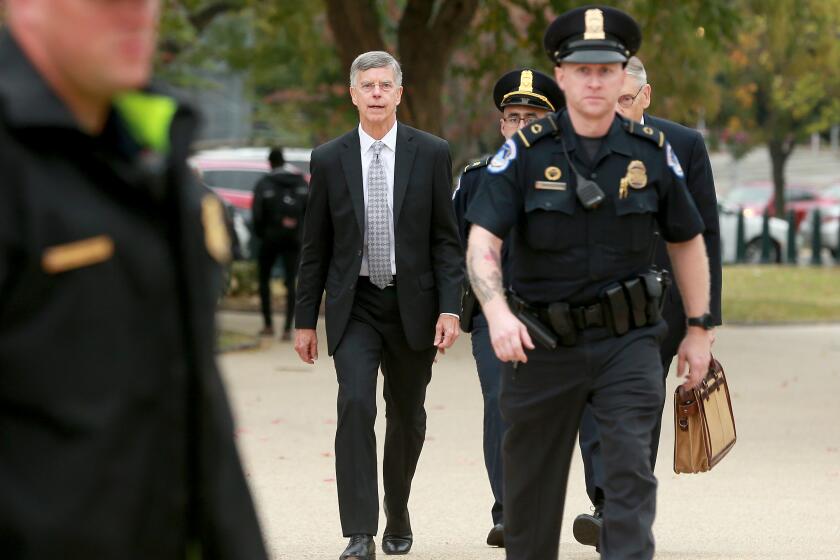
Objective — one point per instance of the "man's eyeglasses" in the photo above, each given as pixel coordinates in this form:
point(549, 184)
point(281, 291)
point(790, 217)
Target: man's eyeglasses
point(514, 120)
point(626, 101)
point(384, 87)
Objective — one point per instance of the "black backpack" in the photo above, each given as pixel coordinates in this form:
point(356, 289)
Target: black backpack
point(279, 207)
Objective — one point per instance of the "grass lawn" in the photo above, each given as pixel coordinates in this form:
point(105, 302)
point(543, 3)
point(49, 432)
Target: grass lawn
point(231, 340)
point(780, 294)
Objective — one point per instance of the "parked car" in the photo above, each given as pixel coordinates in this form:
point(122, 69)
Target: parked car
point(233, 173)
point(757, 197)
point(829, 229)
point(752, 236)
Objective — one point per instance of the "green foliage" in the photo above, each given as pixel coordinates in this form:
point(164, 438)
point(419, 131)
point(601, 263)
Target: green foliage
point(780, 76)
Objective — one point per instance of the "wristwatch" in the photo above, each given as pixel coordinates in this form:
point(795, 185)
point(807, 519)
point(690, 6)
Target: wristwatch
point(704, 321)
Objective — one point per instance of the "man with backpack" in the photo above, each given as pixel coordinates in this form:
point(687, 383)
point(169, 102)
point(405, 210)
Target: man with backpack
point(279, 204)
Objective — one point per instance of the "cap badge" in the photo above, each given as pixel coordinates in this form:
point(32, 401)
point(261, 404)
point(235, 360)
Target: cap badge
point(526, 82)
point(594, 24)
point(553, 173)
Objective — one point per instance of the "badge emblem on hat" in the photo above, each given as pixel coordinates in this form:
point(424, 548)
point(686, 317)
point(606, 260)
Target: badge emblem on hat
point(636, 174)
point(594, 24)
point(553, 173)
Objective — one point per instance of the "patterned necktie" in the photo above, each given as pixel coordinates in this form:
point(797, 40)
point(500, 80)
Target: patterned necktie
point(379, 243)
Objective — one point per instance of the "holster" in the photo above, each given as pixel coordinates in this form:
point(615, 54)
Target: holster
point(560, 317)
point(538, 331)
point(469, 307)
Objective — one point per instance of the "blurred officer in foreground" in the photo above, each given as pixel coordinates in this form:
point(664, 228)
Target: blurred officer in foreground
point(116, 440)
point(584, 189)
point(523, 96)
point(691, 151)
point(279, 205)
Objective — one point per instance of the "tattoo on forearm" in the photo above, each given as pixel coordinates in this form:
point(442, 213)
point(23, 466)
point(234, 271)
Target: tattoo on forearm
point(485, 271)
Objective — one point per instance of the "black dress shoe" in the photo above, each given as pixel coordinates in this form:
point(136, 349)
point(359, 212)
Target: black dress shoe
point(496, 536)
point(360, 547)
point(397, 544)
point(587, 528)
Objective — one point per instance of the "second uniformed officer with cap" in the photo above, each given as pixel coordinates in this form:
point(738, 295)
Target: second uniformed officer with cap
point(583, 191)
point(523, 96)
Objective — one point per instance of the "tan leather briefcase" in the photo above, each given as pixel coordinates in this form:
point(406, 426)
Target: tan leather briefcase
point(704, 427)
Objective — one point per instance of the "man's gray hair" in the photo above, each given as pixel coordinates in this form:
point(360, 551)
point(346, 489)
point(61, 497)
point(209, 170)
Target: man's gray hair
point(375, 59)
point(636, 69)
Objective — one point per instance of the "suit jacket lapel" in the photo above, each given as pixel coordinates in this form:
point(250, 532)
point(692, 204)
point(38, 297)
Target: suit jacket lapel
point(351, 163)
point(404, 160)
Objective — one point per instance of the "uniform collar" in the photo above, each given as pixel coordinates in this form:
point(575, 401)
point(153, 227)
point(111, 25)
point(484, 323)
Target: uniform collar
point(616, 139)
point(25, 97)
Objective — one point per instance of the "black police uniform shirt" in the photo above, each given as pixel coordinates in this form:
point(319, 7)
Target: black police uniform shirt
point(116, 440)
point(563, 251)
point(468, 185)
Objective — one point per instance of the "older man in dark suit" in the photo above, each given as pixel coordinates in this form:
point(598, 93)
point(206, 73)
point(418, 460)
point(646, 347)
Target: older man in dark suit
point(380, 237)
point(690, 150)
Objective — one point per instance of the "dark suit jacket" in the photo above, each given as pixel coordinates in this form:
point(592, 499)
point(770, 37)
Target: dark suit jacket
point(428, 255)
point(690, 149)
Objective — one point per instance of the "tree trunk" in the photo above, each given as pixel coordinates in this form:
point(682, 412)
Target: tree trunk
point(427, 37)
point(355, 27)
point(780, 151)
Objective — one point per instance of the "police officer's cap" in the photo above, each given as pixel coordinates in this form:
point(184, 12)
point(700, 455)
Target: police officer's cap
point(592, 35)
point(528, 87)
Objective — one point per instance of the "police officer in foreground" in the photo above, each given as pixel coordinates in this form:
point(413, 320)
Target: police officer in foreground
point(116, 440)
point(690, 149)
point(523, 96)
point(582, 190)
point(278, 209)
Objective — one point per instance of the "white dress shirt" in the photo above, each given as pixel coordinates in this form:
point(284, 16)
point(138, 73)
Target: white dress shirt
point(388, 156)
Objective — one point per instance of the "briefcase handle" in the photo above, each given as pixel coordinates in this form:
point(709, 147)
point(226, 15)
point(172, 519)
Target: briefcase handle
point(688, 397)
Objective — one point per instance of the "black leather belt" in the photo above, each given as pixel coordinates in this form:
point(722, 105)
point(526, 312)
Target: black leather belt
point(584, 317)
point(366, 279)
point(588, 316)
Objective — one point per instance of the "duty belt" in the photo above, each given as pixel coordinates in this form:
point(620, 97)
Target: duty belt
point(621, 307)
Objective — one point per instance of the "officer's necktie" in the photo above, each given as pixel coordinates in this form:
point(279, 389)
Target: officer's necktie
point(379, 243)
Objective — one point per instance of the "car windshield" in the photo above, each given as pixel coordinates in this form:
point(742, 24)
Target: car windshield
point(233, 179)
point(748, 195)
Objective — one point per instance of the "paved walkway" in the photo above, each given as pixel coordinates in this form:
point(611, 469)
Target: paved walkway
point(776, 496)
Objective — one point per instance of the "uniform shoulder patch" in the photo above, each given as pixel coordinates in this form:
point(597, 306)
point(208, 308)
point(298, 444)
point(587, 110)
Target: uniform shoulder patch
point(673, 161)
point(477, 164)
point(537, 129)
point(502, 159)
point(645, 131)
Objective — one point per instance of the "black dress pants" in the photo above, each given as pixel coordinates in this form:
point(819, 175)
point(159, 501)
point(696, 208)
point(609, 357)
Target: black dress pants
point(490, 377)
point(374, 338)
point(268, 254)
point(542, 401)
point(589, 438)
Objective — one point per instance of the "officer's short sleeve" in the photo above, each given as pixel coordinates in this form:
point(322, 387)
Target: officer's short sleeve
point(678, 217)
point(497, 205)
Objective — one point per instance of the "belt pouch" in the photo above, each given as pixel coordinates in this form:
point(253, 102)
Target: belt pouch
point(653, 289)
point(561, 322)
point(618, 313)
point(638, 301)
